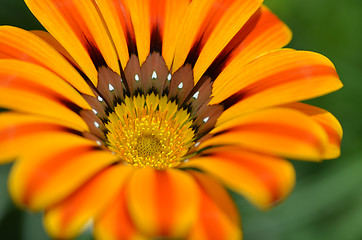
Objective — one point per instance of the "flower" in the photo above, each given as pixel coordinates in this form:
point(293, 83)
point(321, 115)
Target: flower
point(135, 114)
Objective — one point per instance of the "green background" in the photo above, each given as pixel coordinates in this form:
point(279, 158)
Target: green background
point(327, 200)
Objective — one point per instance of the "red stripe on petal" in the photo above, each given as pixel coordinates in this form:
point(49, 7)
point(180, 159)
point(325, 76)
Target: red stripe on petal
point(49, 168)
point(301, 73)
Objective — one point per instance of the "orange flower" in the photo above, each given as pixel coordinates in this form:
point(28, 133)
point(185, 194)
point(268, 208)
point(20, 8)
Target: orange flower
point(134, 114)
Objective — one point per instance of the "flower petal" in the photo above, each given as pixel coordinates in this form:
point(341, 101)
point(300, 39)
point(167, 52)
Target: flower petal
point(279, 131)
point(328, 122)
point(49, 171)
point(267, 33)
point(115, 222)
point(118, 21)
point(19, 44)
point(66, 219)
point(209, 26)
point(262, 179)
point(157, 202)
point(281, 76)
point(78, 26)
point(228, 21)
point(174, 14)
point(22, 88)
point(218, 217)
point(18, 132)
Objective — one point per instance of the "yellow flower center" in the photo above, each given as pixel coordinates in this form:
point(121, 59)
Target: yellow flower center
point(150, 132)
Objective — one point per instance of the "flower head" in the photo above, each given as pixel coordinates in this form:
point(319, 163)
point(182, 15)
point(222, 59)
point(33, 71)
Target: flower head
point(135, 114)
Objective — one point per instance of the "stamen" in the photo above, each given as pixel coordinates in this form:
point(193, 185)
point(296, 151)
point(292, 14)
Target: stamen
point(149, 135)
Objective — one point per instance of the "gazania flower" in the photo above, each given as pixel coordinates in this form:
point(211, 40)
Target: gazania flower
point(135, 115)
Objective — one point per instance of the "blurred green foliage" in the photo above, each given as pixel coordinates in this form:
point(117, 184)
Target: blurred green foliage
point(327, 201)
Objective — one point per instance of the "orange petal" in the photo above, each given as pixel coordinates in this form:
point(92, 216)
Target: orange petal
point(19, 44)
point(277, 77)
point(174, 14)
point(79, 28)
point(55, 167)
point(328, 122)
point(226, 23)
point(262, 179)
point(218, 217)
point(115, 222)
point(118, 21)
point(47, 37)
point(157, 202)
point(279, 131)
point(18, 132)
point(263, 33)
point(66, 219)
point(23, 88)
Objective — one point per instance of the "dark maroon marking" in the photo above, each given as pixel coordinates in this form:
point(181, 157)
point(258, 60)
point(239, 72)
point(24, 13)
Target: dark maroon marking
point(156, 40)
point(131, 43)
point(194, 52)
point(222, 59)
point(95, 54)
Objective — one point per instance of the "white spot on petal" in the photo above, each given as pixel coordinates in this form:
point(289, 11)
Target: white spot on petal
point(186, 160)
point(96, 124)
point(95, 111)
point(136, 77)
point(197, 144)
point(181, 85)
point(154, 75)
point(206, 119)
point(100, 99)
point(169, 76)
point(111, 88)
point(196, 95)
point(98, 142)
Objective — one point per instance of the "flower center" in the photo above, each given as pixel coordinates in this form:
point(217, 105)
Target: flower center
point(150, 132)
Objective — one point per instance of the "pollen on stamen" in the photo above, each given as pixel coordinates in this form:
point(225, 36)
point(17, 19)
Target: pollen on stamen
point(94, 111)
point(148, 135)
point(169, 76)
point(100, 98)
point(206, 119)
point(136, 77)
point(96, 124)
point(196, 95)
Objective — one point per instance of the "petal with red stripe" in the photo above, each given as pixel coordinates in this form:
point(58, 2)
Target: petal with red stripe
point(55, 167)
point(23, 45)
point(115, 222)
point(263, 33)
point(158, 204)
point(262, 179)
point(329, 124)
point(80, 29)
point(275, 78)
point(277, 131)
point(218, 216)
point(19, 132)
point(66, 219)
